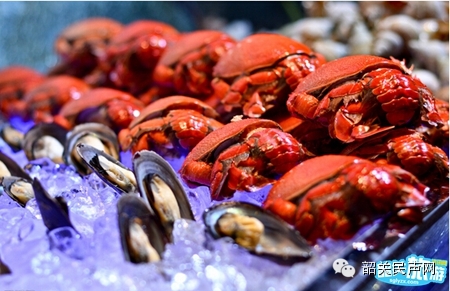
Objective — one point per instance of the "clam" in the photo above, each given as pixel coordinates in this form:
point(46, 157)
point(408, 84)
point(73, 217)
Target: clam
point(140, 233)
point(54, 211)
point(256, 230)
point(109, 169)
point(94, 134)
point(19, 189)
point(161, 188)
point(45, 140)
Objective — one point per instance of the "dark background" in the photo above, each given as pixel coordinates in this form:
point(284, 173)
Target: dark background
point(28, 29)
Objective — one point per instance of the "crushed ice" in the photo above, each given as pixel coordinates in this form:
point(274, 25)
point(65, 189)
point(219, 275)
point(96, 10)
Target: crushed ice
point(90, 256)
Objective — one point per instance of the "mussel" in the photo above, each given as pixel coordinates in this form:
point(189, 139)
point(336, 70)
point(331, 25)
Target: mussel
point(160, 187)
point(10, 135)
point(45, 140)
point(140, 232)
point(60, 230)
point(15, 180)
point(109, 169)
point(94, 134)
point(8, 167)
point(257, 230)
point(4, 269)
point(54, 211)
point(19, 189)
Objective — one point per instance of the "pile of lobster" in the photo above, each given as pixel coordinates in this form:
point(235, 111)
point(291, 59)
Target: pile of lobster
point(343, 141)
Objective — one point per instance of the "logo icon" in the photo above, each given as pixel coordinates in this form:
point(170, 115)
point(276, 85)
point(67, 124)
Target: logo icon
point(342, 266)
point(412, 271)
point(348, 271)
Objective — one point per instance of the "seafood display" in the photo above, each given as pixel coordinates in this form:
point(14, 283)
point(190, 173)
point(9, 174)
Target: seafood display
point(184, 152)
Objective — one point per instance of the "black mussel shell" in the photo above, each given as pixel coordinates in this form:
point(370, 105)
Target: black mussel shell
point(148, 165)
point(92, 157)
point(32, 140)
point(97, 130)
point(4, 269)
point(13, 167)
point(19, 189)
point(134, 212)
point(54, 211)
point(12, 136)
point(279, 240)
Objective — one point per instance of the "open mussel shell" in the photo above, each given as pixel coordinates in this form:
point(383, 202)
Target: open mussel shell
point(54, 211)
point(140, 233)
point(45, 140)
point(257, 230)
point(8, 167)
point(109, 169)
point(160, 187)
point(94, 134)
point(18, 188)
point(11, 136)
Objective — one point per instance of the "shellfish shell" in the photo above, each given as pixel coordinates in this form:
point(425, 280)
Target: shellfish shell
point(277, 239)
point(161, 188)
point(99, 135)
point(140, 235)
point(45, 140)
point(19, 189)
point(54, 211)
point(109, 169)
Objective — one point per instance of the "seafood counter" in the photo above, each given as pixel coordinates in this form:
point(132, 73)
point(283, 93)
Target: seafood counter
point(149, 158)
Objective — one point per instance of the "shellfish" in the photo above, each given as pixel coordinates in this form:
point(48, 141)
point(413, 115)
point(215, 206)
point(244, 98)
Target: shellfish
point(140, 235)
point(161, 189)
point(45, 140)
point(94, 134)
point(257, 230)
point(109, 169)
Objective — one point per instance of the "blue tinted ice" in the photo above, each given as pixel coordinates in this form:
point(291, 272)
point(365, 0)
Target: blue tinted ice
point(92, 259)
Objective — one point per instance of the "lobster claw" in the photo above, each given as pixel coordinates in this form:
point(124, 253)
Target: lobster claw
point(414, 198)
point(346, 131)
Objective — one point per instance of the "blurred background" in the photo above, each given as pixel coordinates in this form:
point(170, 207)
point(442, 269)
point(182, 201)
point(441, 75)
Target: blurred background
point(29, 28)
point(414, 31)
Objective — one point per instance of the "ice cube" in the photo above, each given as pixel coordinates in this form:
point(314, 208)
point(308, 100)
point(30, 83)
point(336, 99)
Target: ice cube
point(69, 242)
point(33, 208)
point(189, 232)
point(7, 202)
point(106, 238)
point(45, 263)
point(199, 199)
point(28, 250)
point(225, 277)
point(11, 222)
